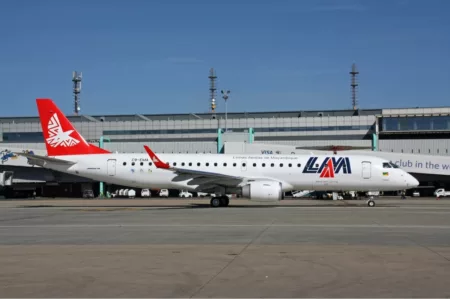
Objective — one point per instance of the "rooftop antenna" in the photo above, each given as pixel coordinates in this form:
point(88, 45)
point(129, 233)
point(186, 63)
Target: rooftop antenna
point(212, 90)
point(354, 85)
point(76, 79)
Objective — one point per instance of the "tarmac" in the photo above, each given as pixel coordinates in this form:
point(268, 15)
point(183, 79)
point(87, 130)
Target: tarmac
point(184, 248)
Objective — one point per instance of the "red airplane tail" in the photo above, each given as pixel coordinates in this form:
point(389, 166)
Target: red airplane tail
point(61, 137)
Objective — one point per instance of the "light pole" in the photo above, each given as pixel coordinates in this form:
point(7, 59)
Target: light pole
point(225, 97)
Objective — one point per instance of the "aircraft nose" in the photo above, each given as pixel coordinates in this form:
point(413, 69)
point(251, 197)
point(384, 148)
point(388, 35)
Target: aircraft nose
point(412, 181)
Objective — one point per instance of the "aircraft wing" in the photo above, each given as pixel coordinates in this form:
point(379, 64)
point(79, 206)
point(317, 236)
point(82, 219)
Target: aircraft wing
point(41, 160)
point(205, 179)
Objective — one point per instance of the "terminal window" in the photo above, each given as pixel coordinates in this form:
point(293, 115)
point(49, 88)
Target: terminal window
point(417, 123)
point(261, 130)
point(23, 137)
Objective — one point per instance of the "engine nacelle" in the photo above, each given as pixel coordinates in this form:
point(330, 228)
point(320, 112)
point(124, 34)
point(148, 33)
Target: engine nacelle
point(263, 191)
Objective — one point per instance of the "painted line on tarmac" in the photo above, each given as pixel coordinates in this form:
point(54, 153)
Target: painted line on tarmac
point(228, 225)
point(359, 208)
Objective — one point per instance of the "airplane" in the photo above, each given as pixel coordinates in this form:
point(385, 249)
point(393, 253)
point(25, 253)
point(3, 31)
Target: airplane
point(261, 178)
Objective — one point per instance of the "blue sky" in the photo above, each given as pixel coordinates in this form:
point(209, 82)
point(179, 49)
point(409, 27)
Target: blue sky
point(153, 56)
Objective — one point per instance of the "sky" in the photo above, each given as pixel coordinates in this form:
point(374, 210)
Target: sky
point(154, 56)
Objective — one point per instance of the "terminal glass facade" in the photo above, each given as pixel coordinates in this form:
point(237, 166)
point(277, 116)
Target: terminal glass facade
point(262, 130)
point(23, 137)
point(418, 123)
point(38, 136)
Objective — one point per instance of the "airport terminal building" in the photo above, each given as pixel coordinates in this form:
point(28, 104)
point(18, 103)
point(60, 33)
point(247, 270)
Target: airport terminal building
point(414, 138)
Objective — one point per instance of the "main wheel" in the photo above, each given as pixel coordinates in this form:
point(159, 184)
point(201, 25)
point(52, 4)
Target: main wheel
point(371, 203)
point(224, 201)
point(215, 202)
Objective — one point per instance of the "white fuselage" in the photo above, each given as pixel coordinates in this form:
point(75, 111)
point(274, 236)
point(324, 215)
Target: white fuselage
point(352, 173)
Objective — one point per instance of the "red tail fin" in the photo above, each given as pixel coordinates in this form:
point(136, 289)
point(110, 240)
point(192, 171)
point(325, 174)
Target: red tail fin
point(61, 138)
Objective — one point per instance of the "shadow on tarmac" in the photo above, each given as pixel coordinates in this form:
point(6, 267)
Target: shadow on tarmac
point(198, 206)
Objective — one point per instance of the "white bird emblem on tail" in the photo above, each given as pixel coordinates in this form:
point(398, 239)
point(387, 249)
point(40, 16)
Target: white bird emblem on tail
point(57, 137)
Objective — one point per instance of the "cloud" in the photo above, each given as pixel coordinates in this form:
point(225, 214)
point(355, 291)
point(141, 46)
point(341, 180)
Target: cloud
point(184, 60)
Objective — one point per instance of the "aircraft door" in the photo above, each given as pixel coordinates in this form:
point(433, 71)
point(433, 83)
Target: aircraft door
point(244, 166)
point(366, 169)
point(111, 168)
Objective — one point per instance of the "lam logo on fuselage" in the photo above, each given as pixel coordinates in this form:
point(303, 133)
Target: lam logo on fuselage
point(329, 166)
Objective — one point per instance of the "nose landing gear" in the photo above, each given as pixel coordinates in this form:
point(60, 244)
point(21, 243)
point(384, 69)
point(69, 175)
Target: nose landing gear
point(371, 202)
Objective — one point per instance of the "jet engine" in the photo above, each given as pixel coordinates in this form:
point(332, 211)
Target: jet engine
point(263, 191)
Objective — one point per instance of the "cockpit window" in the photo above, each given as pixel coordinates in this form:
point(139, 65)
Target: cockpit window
point(393, 165)
point(387, 165)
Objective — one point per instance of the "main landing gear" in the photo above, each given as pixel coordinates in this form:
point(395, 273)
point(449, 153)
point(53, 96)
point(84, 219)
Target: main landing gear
point(371, 202)
point(221, 201)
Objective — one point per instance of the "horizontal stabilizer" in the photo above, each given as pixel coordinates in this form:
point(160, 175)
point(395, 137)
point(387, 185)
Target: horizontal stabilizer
point(40, 160)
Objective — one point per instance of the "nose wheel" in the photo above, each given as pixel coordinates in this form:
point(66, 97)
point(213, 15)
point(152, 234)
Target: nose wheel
point(371, 202)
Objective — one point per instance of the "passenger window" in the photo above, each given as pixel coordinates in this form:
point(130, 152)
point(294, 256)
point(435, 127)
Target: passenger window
point(174, 163)
point(243, 164)
point(215, 164)
point(198, 164)
point(290, 165)
point(299, 165)
point(264, 165)
point(272, 165)
point(281, 164)
point(132, 164)
point(142, 163)
point(190, 163)
point(207, 164)
point(386, 165)
point(150, 163)
point(124, 163)
point(224, 164)
point(182, 163)
point(254, 164)
point(234, 164)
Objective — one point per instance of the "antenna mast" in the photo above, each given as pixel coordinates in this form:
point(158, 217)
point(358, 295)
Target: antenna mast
point(212, 90)
point(76, 79)
point(354, 85)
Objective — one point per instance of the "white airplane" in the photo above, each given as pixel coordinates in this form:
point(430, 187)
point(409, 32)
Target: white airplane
point(262, 178)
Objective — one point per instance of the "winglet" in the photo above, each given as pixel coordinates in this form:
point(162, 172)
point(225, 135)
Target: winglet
point(155, 159)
